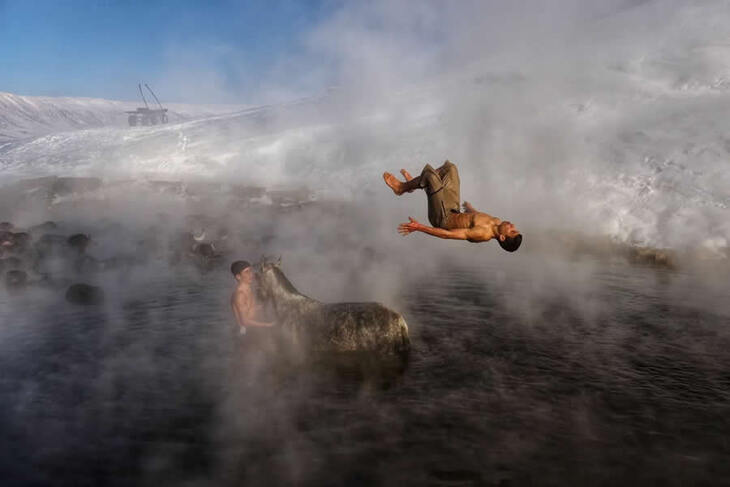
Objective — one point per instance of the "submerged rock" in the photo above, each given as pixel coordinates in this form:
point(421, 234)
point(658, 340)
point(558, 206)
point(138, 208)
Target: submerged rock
point(84, 294)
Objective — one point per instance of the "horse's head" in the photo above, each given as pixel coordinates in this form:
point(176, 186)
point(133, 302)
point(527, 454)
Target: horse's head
point(266, 278)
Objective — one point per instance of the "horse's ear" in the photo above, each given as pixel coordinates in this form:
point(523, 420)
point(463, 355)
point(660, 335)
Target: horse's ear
point(278, 262)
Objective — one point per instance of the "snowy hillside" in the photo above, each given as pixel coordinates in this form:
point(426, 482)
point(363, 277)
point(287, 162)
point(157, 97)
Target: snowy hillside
point(22, 117)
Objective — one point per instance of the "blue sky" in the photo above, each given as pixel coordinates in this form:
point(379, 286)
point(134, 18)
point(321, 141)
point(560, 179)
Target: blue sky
point(102, 48)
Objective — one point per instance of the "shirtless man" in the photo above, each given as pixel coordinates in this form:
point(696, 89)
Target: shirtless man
point(444, 209)
point(243, 301)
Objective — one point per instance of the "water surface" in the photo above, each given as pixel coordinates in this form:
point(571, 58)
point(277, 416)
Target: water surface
point(552, 372)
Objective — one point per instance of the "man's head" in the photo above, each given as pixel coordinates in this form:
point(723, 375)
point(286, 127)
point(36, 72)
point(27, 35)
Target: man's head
point(508, 236)
point(242, 271)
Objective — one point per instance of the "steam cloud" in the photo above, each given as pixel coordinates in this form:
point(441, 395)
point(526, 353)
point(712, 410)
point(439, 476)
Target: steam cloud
point(599, 117)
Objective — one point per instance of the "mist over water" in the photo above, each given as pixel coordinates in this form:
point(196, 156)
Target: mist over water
point(593, 127)
point(537, 366)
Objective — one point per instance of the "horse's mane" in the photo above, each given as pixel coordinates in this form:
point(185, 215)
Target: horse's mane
point(284, 282)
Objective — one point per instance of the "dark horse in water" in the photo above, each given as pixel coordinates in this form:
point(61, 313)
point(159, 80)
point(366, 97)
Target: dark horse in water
point(336, 327)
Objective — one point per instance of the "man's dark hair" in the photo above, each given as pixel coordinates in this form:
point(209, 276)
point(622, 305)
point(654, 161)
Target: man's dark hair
point(239, 266)
point(511, 244)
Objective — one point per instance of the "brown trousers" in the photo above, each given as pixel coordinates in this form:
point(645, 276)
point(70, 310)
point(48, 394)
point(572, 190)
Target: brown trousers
point(442, 189)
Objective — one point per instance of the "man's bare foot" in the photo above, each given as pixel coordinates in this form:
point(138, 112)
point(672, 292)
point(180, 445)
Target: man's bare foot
point(393, 183)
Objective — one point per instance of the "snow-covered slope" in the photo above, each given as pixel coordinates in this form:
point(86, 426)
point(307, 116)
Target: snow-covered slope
point(29, 116)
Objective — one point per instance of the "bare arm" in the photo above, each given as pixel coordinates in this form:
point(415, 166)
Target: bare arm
point(471, 234)
point(252, 322)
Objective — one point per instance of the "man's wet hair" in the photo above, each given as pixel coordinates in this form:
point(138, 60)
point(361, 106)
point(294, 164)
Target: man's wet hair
point(511, 244)
point(239, 266)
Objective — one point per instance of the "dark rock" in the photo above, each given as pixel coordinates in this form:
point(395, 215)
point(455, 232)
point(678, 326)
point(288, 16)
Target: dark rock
point(84, 294)
point(79, 242)
point(21, 238)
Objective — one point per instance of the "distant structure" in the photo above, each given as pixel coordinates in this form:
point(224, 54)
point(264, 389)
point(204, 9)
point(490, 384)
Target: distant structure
point(146, 115)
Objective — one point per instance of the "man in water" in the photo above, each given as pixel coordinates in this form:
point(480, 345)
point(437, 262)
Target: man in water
point(444, 209)
point(243, 301)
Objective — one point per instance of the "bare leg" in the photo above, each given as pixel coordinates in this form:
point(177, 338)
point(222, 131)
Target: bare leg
point(393, 183)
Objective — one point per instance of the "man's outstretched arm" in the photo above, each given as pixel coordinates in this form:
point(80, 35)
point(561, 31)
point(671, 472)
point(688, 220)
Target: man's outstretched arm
point(471, 234)
point(414, 226)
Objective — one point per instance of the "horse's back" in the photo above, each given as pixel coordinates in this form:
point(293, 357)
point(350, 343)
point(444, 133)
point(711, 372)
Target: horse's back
point(364, 326)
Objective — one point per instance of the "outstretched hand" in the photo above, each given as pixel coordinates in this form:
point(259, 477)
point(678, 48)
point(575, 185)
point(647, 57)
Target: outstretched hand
point(406, 228)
